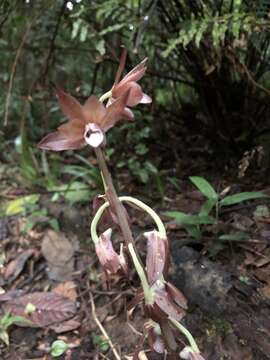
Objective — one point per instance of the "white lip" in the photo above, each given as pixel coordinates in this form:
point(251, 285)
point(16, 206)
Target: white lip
point(93, 135)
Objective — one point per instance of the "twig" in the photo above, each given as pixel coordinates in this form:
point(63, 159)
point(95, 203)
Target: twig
point(52, 42)
point(101, 328)
point(13, 70)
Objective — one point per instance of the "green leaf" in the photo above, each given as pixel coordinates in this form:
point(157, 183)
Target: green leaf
point(234, 237)
point(100, 47)
point(18, 206)
point(59, 347)
point(207, 207)
point(4, 337)
point(238, 198)
point(204, 187)
point(193, 231)
point(112, 28)
point(77, 191)
point(54, 224)
point(187, 219)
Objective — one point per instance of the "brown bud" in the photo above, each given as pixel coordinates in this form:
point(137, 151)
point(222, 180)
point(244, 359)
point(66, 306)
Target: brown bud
point(108, 257)
point(156, 256)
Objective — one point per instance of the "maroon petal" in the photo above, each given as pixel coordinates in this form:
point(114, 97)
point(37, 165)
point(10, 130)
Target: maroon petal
point(156, 256)
point(128, 114)
point(57, 142)
point(72, 130)
point(108, 258)
point(114, 112)
point(176, 295)
point(137, 72)
point(93, 110)
point(69, 105)
point(165, 303)
point(156, 341)
point(135, 95)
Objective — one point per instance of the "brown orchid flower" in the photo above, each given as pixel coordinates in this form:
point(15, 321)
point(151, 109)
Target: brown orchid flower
point(111, 262)
point(87, 124)
point(167, 300)
point(129, 82)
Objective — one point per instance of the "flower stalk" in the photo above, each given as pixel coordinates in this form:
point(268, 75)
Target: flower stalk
point(187, 334)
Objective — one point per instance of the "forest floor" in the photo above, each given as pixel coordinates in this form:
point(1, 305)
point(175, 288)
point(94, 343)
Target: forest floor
point(53, 277)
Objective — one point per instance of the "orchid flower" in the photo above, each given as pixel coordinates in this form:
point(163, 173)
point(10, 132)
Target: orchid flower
point(87, 124)
point(165, 300)
point(109, 259)
point(129, 82)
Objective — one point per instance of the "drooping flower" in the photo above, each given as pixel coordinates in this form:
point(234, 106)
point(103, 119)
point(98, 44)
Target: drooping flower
point(87, 124)
point(129, 82)
point(165, 300)
point(109, 259)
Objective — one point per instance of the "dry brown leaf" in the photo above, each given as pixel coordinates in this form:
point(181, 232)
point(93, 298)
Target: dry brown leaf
point(58, 250)
point(66, 289)
point(263, 274)
point(69, 325)
point(265, 291)
point(49, 308)
point(15, 267)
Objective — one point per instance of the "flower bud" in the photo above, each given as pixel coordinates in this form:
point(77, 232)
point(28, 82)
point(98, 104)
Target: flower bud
point(108, 257)
point(156, 256)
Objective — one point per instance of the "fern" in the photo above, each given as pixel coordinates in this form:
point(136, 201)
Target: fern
point(217, 28)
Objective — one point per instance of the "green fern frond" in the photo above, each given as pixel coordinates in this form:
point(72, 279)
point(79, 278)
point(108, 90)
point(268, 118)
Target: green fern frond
point(217, 28)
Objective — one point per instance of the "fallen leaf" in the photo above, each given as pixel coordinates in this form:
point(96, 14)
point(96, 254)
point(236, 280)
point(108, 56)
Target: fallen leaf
point(65, 326)
point(15, 267)
point(50, 308)
point(11, 295)
point(58, 250)
point(66, 289)
point(265, 291)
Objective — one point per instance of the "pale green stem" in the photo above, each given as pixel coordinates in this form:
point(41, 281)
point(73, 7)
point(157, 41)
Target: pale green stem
point(187, 334)
point(140, 271)
point(94, 223)
point(150, 211)
point(148, 295)
point(105, 96)
point(140, 204)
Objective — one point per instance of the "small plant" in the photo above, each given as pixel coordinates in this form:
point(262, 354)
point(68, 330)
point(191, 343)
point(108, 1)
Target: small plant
point(194, 224)
point(100, 342)
point(6, 321)
point(163, 303)
point(58, 348)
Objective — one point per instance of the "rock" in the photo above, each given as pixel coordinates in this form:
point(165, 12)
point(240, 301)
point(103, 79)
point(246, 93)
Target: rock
point(203, 282)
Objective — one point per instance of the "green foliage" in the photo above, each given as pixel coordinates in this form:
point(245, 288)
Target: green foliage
point(216, 28)
point(58, 348)
point(195, 223)
point(100, 342)
point(238, 198)
point(8, 320)
point(20, 205)
point(205, 188)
